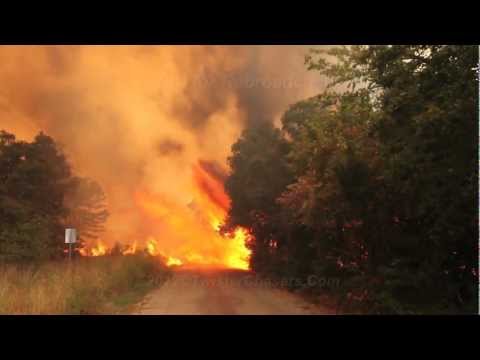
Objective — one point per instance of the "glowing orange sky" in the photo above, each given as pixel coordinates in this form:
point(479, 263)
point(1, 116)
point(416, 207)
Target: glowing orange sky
point(140, 120)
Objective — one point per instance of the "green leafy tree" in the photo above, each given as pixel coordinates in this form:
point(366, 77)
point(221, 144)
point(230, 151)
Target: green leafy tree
point(336, 164)
point(35, 181)
point(379, 184)
point(428, 96)
point(259, 174)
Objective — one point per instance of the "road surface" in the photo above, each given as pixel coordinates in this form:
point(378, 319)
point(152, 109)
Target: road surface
point(223, 292)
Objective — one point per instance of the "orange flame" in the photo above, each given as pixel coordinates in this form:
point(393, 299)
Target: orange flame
point(238, 259)
point(196, 226)
point(152, 249)
point(99, 249)
point(130, 249)
point(171, 261)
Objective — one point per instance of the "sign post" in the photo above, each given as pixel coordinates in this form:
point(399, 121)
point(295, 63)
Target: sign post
point(70, 239)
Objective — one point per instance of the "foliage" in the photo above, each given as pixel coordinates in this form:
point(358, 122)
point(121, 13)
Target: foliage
point(39, 197)
point(380, 189)
point(260, 173)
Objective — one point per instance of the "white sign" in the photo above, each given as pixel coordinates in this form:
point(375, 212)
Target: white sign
point(70, 236)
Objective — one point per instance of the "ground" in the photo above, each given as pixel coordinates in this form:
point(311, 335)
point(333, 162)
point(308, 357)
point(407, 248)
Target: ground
point(223, 292)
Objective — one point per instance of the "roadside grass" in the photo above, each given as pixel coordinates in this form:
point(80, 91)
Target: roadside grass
point(93, 285)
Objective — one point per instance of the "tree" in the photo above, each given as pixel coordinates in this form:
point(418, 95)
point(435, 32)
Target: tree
point(33, 182)
point(375, 180)
point(426, 97)
point(336, 165)
point(35, 179)
point(86, 205)
point(259, 174)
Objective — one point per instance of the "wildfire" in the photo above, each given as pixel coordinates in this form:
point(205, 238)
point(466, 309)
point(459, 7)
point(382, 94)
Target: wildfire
point(171, 261)
point(131, 249)
point(98, 250)
point(195, 227)
point(152, 247)
point(239, 258)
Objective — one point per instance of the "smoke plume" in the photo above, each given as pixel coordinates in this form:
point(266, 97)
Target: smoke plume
point(149, 122)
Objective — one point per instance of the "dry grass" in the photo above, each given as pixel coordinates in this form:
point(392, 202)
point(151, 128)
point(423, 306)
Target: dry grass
point(87, 286)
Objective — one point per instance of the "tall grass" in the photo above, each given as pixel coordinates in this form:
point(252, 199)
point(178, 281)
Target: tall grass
point(86, 286)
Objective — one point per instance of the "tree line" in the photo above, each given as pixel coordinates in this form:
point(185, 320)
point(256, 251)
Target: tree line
point(372, 181)
point(40, 196)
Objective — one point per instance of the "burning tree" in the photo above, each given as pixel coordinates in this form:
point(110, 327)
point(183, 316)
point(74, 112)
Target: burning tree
point(86, 204)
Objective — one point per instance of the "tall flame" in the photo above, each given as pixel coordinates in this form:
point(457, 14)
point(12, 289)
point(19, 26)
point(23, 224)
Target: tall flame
point(238, 259)
point(197, 226)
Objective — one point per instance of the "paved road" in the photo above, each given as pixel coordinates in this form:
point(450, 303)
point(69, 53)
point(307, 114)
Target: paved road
point(223, 292)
